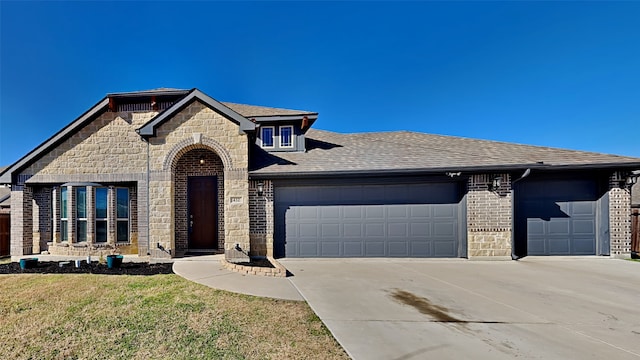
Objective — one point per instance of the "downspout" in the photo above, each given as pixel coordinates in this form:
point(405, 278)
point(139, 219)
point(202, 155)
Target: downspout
point(513, 218)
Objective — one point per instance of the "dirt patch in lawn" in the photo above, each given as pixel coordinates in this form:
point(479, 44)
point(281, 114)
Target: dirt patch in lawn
point(69, 267)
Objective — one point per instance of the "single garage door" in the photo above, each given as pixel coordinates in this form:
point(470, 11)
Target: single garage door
point(396, 220)
point(557, 217)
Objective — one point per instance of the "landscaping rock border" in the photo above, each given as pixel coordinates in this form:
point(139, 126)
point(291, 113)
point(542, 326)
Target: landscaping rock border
point(276, 271)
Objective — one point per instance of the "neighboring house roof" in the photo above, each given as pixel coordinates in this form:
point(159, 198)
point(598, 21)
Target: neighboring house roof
point(403, 151)
point(147, 130)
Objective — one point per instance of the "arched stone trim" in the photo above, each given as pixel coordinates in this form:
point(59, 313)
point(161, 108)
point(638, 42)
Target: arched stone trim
point(197, 142)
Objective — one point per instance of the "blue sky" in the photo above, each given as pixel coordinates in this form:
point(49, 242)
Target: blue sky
point(561, 74)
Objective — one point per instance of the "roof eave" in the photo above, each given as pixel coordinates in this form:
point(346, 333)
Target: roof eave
point(94, 111)
point(256, 174)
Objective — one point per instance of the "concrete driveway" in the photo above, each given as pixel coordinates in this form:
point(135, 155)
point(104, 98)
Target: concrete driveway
point(538, 308)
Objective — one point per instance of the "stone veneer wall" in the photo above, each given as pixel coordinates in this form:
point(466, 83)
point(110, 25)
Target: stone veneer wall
point(261, 218)
point(489, 216)
point(21, 222)
point(619, 216)
point(189, 165)
point(197, 126)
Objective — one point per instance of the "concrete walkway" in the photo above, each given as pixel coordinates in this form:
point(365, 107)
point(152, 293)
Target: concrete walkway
point(207, 270)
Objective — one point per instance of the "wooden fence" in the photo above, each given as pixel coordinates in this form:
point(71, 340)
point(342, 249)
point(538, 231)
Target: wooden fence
point(635, 230)
point(5, 231)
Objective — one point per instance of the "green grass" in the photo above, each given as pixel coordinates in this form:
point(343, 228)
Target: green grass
point(153, 317)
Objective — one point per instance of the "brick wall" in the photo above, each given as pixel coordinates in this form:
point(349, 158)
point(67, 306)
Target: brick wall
point(261, 218)
point(42, 232)
point(189, 165)
point(489, 216)
point(619, 215)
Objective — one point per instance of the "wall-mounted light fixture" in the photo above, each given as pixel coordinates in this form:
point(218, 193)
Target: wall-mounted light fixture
point(260, 188)
point(495, 183)
point(201, 160)
point(632, 179)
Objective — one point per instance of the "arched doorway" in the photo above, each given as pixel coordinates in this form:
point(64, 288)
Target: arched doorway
point(198, 200)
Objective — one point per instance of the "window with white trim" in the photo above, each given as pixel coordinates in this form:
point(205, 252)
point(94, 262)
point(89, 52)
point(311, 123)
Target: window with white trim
point(64, 228)
point(81, 214)
point(266, 136)
point(286, 136)
point(122, 214)
point(101, 214)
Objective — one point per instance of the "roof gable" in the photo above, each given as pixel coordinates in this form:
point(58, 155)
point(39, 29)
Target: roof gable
point(149, 129)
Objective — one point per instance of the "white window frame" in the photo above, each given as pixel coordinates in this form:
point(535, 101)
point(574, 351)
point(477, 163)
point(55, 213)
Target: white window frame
point(290, 127)
point(273, 136)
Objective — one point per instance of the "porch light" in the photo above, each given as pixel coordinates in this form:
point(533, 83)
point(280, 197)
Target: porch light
point(260, 188)
point(201, 160)
point(495, 183)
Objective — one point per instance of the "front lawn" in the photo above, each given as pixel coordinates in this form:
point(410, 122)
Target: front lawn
point(151, 317)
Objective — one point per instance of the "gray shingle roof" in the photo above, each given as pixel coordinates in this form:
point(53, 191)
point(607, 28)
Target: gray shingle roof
point(403, 150)
point(254, 111)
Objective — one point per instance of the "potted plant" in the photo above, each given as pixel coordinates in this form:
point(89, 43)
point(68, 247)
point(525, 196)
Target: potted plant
point(28, 263)
point(114, 260)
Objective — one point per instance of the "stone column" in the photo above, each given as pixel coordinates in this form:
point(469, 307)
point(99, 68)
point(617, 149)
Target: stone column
point(21, 221)
point(489, 217)
point(619, 216)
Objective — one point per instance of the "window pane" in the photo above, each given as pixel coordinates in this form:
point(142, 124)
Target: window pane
point(81, 202)
point(101, 231)
point(101, 203)
point(267, 137)
point(123, 231)
point(285, 136)
point(63, 202)
point(122, 198)
point(64, 235)
point(82, 230)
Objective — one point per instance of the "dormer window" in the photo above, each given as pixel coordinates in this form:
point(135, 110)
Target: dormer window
point(267, 136)
point(286, 136)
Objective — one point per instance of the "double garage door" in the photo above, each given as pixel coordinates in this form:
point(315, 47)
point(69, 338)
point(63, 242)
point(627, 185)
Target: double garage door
point(394, 220)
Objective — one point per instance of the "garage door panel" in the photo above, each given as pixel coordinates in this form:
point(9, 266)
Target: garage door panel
point(353, 212)
point(308, 231)
point(398, 248)
point(374, 230)
point(443, 248)
point(583, 208)
point(444, 211)
point(374, 248)
point(536, 246)
point(583, 246)
point(587, 227)
point(447, 229)
point(535, 227)
point(559, 246)
point(420, 230)
point(367, 221)
point(397, 230)
point(374, 212)
point(558, 227)
point(352, 230)
point(330, 248)
point(353, 248)
point(397, 212)
point(330, 230)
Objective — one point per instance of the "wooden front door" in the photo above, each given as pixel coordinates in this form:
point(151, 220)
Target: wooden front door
point(203, 212)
